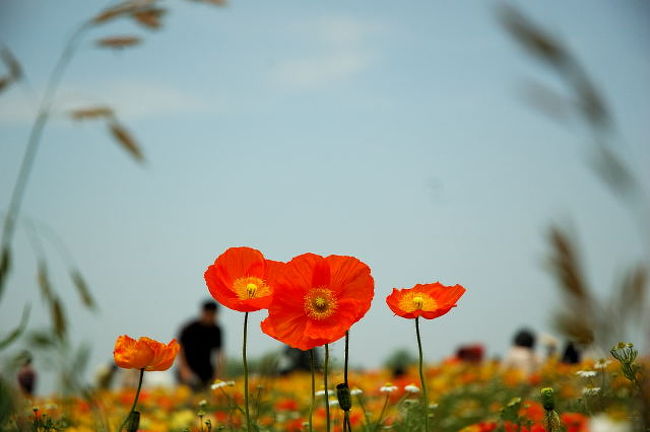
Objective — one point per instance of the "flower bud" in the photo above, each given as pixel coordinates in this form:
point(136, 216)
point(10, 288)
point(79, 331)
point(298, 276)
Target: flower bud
point(624, 352)
point(548, 398)
point(344, 397)
point(133, 421)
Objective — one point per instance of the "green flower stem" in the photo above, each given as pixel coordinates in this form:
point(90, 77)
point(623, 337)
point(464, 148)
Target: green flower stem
point(347, 354)
point(382, 413)
point(366, 416)
point(313, 390)
point(248, 416)
point(232, 402)
point(346, 418)
point(135, 400)
point(327, 396)
point(423, 384)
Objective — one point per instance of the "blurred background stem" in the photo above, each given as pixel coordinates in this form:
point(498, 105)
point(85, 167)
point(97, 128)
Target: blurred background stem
point(33, 144)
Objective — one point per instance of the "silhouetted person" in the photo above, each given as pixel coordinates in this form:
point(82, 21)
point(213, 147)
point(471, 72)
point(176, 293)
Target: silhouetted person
point(27, 376)
point(200, 360)
point(571, 354)
point(521, 355)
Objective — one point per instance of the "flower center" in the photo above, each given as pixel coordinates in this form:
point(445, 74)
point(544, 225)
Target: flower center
point(320, 303)
point(415, 301)
point(250, 287)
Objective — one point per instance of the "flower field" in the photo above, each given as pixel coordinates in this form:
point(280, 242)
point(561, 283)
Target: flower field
point(468, 397)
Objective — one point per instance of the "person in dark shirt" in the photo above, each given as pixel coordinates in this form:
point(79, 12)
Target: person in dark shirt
point(27, 375)
point(201, 355)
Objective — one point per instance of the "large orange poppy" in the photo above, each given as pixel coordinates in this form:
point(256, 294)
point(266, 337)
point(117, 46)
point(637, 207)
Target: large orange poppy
point(318, 299)
point(424, 300)
point(144, 353)
point(239, 279)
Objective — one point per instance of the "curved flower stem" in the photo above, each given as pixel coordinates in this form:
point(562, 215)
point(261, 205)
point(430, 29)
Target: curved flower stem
point(248, 416)
point(313, 390)
point(327, 396)
point(232, 402)
point(135, 400)
point(34, 140)
point(346, 422)
point(366, 416)
point(423, 384)
point(382, 412)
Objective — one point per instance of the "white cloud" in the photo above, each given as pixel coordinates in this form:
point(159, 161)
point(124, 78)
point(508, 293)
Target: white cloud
point(129, 99)
point(344, 31)
point(319, 70)
point(342, 51)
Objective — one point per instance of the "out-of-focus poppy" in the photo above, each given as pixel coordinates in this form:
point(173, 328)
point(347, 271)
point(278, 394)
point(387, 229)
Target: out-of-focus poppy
point(239, 279)
point(318, 299)
point(144, 353)
point(424, 300)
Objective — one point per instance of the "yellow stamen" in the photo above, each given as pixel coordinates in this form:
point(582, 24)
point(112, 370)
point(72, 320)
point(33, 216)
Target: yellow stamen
point(414, 301)
point(250, 287)
point(320, 303)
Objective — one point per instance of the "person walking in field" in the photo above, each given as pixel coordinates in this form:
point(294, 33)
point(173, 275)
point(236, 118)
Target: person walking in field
point(521, 355)
point(200, 360)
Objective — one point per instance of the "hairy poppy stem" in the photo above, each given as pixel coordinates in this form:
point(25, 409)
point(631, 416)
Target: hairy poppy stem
point(327, 396)
point(423, 384)
point(248, 416)
point(135, 400)
point(346, 419)
point(313, 389)
point(347, 354)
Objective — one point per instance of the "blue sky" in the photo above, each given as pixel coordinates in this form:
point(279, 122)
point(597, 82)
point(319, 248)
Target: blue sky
point(393, 132)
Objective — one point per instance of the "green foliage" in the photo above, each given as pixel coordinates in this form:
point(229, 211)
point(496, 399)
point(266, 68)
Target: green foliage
point(7, 404)
point(17, 332)
point(400, 359)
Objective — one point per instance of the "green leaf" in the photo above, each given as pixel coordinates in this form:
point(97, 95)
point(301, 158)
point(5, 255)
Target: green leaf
point(537, 41)
point(59, 319)
point(125, 140)
point(5, 266)
point(82, 289)
point(15, 333)
point(44, 281)
point(41, 339)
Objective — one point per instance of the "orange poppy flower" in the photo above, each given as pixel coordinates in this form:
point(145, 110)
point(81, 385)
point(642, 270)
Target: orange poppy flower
point(239, 279)
point(424, 300)
point(144, 353)
point(318, 299)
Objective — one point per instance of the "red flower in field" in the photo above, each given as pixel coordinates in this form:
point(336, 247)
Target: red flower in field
point(480, 427)
point(239, 279)
point(533, 411)
point(574, 422)
point(144, 353)
point(318, 299)
point(424, 300)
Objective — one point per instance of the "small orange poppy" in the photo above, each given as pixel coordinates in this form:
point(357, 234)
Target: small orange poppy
point(424, 300)
point(144, 353)
point(318, 299)
point(239, 279)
